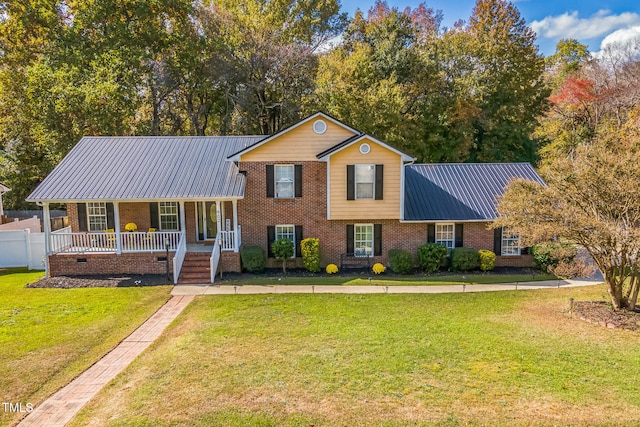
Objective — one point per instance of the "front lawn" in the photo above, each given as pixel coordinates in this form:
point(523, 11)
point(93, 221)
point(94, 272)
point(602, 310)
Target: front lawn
point(497, 358)
point(49, 336)
point(363, 279)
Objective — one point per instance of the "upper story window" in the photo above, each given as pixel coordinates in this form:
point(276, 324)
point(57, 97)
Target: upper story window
point(168, 215)
point(365, 181)
point(284, 179)
point(97, 216)
point(445, 235)
point(510, 242)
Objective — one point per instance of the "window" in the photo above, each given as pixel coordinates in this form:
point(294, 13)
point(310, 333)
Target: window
point(510, 243)
point(168, 215)
point(445, 235)
point(363, 240)
point(284, 176)
point(365, 181)
point(97, 215)
point(287, 232)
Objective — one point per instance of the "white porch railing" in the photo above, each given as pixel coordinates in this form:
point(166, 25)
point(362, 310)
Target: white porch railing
point(62, 241)
point(215, 256)
point(230, 240)
point(178, 257)
point(155, 241)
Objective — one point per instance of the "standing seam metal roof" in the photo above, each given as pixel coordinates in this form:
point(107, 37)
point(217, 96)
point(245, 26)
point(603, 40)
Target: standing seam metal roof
point(147, 168)
point(461, 191)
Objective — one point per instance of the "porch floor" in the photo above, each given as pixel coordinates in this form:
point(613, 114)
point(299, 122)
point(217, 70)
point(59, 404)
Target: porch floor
point(199, 247)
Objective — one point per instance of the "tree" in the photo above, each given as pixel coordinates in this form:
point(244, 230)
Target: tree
point(283, 250)
point(592, 198)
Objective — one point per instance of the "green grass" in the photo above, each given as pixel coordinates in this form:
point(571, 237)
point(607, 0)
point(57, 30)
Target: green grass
point(387, 280)
point(496, 358)
point(49, 336)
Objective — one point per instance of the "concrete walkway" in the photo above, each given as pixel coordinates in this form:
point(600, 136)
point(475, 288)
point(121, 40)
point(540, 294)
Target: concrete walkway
point(60, 408)
point(337, 289)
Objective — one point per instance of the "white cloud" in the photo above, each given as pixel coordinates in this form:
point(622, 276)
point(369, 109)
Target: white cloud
point(621, 36)
point(570, 25)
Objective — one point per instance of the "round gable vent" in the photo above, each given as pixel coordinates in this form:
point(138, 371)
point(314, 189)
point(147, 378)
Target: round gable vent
point(319, 127)
point(365, 148)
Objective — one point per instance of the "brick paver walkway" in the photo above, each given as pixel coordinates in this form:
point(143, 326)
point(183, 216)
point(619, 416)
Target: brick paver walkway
point(60, 408)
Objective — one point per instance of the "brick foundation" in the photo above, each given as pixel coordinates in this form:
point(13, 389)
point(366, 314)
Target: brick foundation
point(133, 263)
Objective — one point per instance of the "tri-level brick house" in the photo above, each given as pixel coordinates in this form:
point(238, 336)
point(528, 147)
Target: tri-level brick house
point(318, 178)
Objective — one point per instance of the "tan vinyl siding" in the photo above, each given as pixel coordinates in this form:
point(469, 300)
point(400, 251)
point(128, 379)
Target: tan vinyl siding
point(298, 144)
point(388, 207)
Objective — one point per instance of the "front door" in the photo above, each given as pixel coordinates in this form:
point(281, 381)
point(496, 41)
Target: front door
point(207, 220)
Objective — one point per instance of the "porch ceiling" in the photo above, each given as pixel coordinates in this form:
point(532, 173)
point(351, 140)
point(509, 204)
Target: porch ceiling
point(146, 168)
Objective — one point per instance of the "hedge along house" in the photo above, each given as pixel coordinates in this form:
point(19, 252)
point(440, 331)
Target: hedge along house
point(318, 178)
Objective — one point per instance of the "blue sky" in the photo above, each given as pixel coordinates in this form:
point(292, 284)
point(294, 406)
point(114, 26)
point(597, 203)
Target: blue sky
point(594, 23)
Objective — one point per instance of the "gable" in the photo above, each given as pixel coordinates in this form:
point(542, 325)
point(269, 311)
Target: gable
point(299, 142)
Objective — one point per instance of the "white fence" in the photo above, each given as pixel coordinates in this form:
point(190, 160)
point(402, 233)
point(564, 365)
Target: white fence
point(21, 248)
point(32, 224)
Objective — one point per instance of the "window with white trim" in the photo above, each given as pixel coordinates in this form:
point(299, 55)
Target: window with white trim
point(168, 215)
point(284, 177)
point(510, 243)
point(97, 215)
point(287, 232)
point(365, 178)
point(445, 235)
point(363, 240)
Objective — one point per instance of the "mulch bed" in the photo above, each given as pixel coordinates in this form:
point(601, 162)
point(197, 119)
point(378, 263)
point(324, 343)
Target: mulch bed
point(601, 313)
point(103, 281)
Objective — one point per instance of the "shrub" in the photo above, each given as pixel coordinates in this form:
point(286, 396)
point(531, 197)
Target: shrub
point(548, 255)
point(430, 257)
point(283, 250)
point(487, 260)
point(310, 249)
point(378, 268)
point(400, 261)
point(253, 259)
point(464, 259)
point(331, 269)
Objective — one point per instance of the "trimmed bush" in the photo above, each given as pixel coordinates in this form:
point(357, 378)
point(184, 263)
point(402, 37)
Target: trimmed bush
point(310, 249)
point(331, 269)
point(487, 260)
point(430, 257)
point(378, 268)
point(464, 259)
point(283, 250)
point(548, 255)
point(253, 258)
point(400, 261)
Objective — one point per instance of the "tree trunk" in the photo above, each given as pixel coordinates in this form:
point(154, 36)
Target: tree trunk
point(634, 292)
point(614, 287)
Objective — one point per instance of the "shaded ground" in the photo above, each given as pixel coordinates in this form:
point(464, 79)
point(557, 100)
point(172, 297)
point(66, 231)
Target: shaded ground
point(601, 313)
point(102, 281)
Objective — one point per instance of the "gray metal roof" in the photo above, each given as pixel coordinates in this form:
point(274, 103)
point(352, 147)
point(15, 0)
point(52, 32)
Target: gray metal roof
point(459, 192)
point(146, 168)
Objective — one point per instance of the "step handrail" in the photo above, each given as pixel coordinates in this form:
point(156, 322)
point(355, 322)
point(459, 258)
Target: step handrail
point(215, 257)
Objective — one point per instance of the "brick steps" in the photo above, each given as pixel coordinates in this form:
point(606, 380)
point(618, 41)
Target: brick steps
point(195, 269)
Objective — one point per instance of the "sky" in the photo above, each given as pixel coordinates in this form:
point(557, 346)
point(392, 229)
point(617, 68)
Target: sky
point(592, 22)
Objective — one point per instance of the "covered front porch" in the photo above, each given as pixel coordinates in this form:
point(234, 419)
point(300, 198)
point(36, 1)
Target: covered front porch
point(163, 227)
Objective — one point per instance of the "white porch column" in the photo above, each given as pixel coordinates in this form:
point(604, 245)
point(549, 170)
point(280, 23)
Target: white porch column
point(46, 219)
point(235, 225)
point(183, 221)
point(116, 218)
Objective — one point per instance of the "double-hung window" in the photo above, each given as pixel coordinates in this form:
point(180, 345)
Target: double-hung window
point(97, 215)
point(363, 240)
point(287, 232)
point(365, 178)
point(510, 243)
point(168, 215)
point(284, 178)
point(445, 235)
